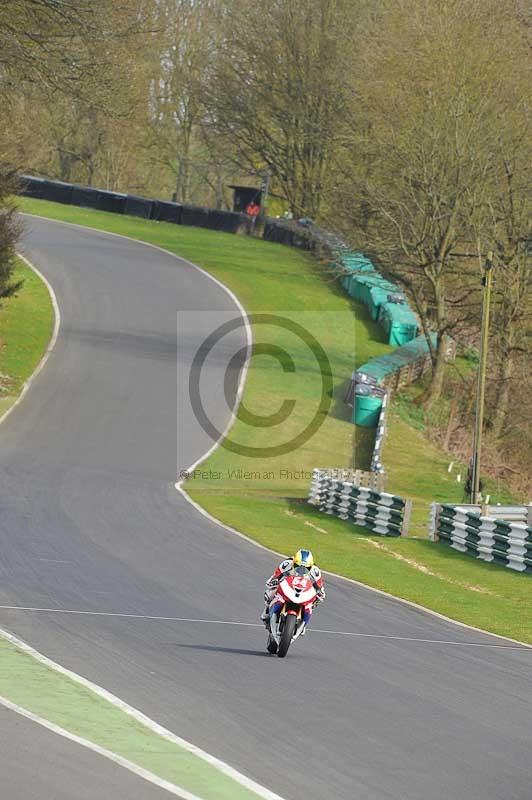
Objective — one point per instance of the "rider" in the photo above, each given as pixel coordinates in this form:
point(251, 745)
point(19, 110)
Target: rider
point(303, 558)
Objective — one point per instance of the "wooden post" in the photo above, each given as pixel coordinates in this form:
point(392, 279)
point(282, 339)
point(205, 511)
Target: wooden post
point(407, 513)
point(435, 516)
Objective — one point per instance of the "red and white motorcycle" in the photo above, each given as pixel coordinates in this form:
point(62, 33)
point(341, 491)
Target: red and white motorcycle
point(296, 594)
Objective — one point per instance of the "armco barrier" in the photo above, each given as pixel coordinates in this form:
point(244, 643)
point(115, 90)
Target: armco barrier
point(376, 459)
point(332, 492)
point(488, 538)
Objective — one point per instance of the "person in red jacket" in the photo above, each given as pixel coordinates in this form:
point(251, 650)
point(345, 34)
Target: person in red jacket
point(253, 211)
point(303, 558)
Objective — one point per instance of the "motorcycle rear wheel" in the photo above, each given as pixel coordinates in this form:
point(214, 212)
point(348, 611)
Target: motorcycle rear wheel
point(271, 646)
point(286, 636)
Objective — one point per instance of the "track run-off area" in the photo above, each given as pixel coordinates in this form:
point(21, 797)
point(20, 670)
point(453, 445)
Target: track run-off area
point(108, 571)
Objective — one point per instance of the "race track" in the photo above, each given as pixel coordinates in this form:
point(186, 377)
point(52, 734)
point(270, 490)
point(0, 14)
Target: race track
point(91, 521)
point(39, 764)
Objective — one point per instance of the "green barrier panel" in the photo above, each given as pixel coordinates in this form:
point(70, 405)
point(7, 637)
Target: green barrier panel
point(359, 283)
point(356, 260)
point(366, 410)
point(399, 323)
point(384, 366)
point(401, 334)
point(367, 287)
point(378, 296)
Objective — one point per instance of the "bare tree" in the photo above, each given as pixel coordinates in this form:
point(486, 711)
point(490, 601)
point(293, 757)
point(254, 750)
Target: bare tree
point(184, 45)
point(511, 230)
point(279, 88)
point(434, 95)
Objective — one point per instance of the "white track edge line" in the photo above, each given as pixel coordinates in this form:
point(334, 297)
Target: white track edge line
point(102, 751)
point(139, 716)
point(234, 531)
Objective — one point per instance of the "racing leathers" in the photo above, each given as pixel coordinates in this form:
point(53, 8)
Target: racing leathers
point(286, 567)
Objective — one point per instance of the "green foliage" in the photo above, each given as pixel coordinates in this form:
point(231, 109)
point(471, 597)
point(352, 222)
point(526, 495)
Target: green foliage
point(26, 323)
point(9, 231)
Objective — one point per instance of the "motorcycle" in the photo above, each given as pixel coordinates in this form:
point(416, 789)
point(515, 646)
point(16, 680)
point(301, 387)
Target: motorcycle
point(295, 593)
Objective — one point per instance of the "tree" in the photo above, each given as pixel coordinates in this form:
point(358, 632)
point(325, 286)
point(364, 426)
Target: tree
point(185, 45)
point(511, 231)
point(278, 90)
point(434, 92)
point(9, 232)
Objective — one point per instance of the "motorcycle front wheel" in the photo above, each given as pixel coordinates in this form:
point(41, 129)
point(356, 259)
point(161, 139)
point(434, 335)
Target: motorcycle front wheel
point(287, 634)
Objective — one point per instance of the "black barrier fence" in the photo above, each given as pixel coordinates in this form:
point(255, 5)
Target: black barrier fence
point(195, 215)
point(138, 207)
point(113, 202)
point(228, 221)
point(164, 211)
point(302, 234)
point(43, 189)
point(85, 197)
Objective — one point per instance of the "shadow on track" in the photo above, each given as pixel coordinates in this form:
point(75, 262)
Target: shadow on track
point(230, 650)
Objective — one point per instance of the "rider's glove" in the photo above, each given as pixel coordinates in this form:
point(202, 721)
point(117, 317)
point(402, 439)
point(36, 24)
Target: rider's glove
point(273, 582)
point(321, 595)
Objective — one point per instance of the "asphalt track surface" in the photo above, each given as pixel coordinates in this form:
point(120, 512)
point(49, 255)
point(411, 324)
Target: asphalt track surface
point(37, 764)
point(90, 521)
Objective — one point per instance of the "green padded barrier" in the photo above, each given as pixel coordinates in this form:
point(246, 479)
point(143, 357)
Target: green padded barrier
point(384, 366)
point(378, 296)
point(360, 282)
point(399, 323)
point(367, 287)
point(366, 410)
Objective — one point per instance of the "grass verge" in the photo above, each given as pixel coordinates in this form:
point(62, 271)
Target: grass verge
point(265, 497)
point(26, 325)
point(77, 709)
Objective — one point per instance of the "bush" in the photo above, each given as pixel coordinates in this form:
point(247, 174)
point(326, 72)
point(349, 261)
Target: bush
point(10, 230)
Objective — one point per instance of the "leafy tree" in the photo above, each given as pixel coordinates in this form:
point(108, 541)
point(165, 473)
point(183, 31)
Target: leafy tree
point(9, 232)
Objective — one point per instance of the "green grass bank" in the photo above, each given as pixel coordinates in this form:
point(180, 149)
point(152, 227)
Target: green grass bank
point(264, 496)
point(26, 326)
